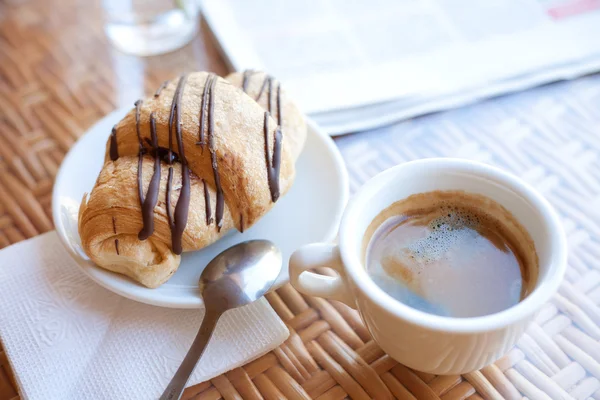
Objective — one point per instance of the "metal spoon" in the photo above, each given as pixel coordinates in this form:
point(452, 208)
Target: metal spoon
point(236, 277)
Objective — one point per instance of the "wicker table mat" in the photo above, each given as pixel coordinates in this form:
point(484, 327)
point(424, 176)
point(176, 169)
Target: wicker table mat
point(58, 75)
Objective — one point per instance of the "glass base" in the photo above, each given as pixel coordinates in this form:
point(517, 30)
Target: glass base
point(168, 32)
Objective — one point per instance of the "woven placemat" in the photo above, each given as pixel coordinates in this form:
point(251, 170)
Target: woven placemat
point(58, 76)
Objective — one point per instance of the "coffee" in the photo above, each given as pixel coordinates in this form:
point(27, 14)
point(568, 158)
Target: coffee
point(451, 253)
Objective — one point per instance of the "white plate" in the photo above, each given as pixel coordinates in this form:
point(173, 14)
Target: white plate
point(309, 212)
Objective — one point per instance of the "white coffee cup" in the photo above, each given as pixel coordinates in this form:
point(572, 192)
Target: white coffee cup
point(427, 342)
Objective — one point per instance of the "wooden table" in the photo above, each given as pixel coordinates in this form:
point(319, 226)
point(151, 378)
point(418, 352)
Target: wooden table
point(58, 75)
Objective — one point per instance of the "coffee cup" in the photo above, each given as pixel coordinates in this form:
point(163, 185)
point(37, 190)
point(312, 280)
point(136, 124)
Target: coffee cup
point(422, 341)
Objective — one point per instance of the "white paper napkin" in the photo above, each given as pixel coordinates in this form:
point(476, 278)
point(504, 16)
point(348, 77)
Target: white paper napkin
point(68, 338)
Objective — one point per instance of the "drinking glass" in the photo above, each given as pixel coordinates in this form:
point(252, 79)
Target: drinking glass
point(150, 27)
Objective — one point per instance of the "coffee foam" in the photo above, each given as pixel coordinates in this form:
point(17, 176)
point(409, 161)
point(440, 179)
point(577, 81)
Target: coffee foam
point(439, 242)
point(449, 225)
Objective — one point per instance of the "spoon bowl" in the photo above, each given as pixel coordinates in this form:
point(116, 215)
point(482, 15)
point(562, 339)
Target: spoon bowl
point(244, 273)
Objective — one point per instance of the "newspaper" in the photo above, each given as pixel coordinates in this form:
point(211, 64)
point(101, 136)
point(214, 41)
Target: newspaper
point(356, 64)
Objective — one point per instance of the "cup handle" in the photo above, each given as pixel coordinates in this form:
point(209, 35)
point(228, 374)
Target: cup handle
point(311, 284)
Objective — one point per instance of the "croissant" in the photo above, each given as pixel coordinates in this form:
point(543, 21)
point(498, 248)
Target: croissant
point(197, 159)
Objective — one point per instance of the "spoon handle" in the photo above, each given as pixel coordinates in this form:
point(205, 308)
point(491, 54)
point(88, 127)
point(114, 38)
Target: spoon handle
point(177, 384)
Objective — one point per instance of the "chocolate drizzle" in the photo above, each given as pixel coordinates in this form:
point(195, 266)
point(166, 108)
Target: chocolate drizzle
point(247, 74)
point(279, 115)
point(268, 84)
point(141, 152)
point(213, 155)
point(208, 88)
point(114, 223)
point(179, 221)
point(268, 81)
point(207, 209)
point(138, 107)
point(274, 164)
point(160, 88)
point(207, 112)
point(114, 149)
point(168, 197)
point(152, 195)
point(163, 152)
